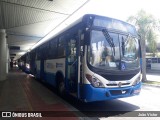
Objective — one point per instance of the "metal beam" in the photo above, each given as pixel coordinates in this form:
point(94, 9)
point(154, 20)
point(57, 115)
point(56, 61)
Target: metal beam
point(34, 8)
point(20, 35)
point(64, 20)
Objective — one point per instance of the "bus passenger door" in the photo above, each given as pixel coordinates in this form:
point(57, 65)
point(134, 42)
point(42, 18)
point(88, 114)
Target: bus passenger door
point(72, 66)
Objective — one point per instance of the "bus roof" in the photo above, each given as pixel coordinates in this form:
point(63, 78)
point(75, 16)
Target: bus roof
point(86, 16)
point(119, 23)
point(112, 23)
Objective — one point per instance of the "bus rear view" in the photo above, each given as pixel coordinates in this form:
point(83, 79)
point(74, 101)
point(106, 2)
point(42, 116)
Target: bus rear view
point(111, 60)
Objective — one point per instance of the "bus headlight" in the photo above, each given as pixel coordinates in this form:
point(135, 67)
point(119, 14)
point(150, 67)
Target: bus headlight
point(138, 79)
point(94, 81)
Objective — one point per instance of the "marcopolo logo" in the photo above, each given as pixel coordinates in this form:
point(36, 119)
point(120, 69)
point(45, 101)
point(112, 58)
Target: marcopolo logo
point(119, 84)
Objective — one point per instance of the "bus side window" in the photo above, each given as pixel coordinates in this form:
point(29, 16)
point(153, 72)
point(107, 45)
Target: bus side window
point(38, 54)
point(61, 47)
point(72, 49)
point(53, 49)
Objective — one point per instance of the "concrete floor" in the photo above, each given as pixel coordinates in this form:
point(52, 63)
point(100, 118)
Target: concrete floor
point(21, 92)
point(153, 75)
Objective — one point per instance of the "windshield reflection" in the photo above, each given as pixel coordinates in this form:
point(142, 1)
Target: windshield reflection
point(130, 49)
point(102, 56)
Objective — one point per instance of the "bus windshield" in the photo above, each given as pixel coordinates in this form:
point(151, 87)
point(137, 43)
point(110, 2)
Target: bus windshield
point(121, 55)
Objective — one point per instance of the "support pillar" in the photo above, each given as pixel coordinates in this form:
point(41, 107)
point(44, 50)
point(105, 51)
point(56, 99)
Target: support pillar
point(7, 59)
point(3, 55)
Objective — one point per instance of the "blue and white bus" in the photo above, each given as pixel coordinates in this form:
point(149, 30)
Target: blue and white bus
point(94, 59)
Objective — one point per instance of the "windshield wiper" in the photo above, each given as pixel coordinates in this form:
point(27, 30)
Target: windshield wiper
point(123, 43)
point(123, 46)
point(109, 40)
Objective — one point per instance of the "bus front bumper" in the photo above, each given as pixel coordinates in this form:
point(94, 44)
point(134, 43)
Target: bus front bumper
point(90, 93)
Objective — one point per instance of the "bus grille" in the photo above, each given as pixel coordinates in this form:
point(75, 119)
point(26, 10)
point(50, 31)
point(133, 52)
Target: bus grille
point(118, 77)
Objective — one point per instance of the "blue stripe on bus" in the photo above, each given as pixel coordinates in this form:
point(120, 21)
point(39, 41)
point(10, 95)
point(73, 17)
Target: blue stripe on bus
point(38, 74)
point(50, 79)
point(89, 93)
point(26, 70)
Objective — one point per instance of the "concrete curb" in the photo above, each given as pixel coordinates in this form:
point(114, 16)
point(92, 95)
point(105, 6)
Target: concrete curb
point(145, 84)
